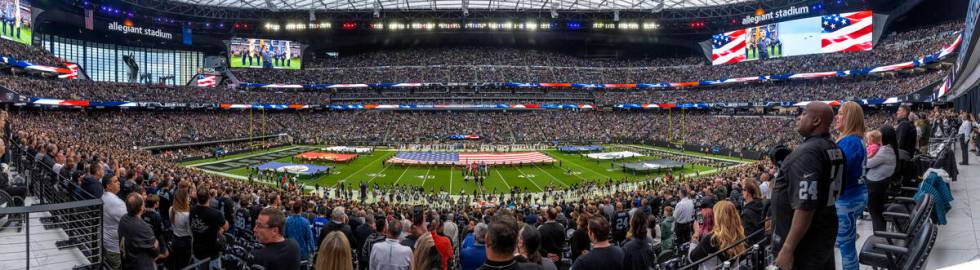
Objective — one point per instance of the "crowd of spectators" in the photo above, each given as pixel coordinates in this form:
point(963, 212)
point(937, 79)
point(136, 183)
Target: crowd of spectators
point(147, 128)
point(514, 65)
point(346, 230)
point(33, 54)
point(885, 86)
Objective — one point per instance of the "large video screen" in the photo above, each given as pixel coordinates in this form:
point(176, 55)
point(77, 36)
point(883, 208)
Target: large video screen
point(264, 53)
point(840, 32)
point(15, 20)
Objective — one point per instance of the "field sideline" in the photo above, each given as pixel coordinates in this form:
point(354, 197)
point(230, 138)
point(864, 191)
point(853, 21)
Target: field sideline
point(573, 169)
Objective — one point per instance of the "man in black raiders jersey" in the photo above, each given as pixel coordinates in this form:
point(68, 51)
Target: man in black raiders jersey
point(807, 184)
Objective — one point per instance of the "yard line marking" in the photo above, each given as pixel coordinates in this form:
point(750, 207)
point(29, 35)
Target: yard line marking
point(379, 173)
point(244, 157)
point(502, 178)
point(529, 179)
point(426, 177)
point(362, 168)
point(552, 176)
point(400, 176)
point(580, 166)
point(450, 179)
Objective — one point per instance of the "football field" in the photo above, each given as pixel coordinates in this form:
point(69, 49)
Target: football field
point(569, 170)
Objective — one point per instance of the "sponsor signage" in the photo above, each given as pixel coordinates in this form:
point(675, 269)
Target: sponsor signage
point(762, 16)
point(128, 27)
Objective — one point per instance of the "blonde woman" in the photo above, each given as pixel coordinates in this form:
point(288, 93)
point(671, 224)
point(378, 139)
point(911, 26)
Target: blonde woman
point(425, 256)
point(335, 253)
point(727, 230)
point(849, 122)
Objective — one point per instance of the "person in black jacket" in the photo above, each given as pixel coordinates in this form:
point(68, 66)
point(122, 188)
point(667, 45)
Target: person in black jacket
point(138, 246)
point(151, 216)
point(638, 250)
point(502, 241)
point(753, 212)
point(552, 236)
point(338, 222)
point(905, 131)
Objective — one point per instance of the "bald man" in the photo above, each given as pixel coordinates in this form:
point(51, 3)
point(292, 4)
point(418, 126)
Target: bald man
point(806, 187)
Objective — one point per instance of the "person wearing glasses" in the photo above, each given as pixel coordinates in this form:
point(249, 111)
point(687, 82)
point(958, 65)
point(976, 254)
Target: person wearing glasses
point(278, 252)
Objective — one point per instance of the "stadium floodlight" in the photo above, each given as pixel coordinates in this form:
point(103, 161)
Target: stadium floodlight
point(531, 25)
point(649, 26)
point(272, 26)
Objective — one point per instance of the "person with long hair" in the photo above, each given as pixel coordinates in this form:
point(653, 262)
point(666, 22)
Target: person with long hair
point(425, 256)
point(529, 247)
point(881, 167)
point(334, 253)
point(638, 250)
point(853, 199)
point(579, 242)
point(727, 230)
point(180, 212)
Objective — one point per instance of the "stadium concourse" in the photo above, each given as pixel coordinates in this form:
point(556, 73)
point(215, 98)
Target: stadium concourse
point(476, 134)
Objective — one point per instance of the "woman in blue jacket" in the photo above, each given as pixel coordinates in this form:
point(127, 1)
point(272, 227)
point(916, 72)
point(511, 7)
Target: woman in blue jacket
point(853, 198)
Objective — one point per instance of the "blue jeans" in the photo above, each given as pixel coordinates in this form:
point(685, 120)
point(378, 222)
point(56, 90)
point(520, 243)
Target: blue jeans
point(848, 212)
point(212, 265)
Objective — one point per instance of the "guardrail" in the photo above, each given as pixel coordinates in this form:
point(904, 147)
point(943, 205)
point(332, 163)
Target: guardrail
point(49, 222)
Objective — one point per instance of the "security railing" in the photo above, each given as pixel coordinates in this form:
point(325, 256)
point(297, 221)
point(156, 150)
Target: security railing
point(48, 222)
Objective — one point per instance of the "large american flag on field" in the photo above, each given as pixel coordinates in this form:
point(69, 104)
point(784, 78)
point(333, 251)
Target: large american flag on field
point(449, 158)
point(846, 32)
point(204, 80)
point(728, 48)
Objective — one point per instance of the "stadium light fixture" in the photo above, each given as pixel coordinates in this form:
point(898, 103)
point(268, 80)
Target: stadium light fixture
point(650, 26)
point(531, 25)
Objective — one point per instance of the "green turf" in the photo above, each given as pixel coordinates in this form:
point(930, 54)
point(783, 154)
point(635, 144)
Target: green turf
point(236, 62)
point(572, 169)
point(199, 161)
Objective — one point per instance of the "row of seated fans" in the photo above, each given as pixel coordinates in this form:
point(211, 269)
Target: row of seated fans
point(516, 65)
point(142, 128)
point(793, 90)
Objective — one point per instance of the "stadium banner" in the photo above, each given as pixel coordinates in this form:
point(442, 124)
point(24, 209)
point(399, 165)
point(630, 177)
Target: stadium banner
point(17, 21)
point(335, 157)
point(464, 137)
point(613, 155)
point(831, 33)
point(347, 149)
point(264, 53)
point(468, 158)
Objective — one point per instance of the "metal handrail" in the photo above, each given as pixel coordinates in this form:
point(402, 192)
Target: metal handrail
point(697, 263)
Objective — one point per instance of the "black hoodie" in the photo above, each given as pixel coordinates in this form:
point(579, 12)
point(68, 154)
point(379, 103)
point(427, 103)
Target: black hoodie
point(753, 219)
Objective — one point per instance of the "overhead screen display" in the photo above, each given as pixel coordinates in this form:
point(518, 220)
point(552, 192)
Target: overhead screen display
point(840, 32)
point(16, 20)
point(264, 53)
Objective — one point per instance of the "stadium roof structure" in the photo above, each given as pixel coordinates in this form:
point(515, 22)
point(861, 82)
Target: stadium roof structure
point(337, 5)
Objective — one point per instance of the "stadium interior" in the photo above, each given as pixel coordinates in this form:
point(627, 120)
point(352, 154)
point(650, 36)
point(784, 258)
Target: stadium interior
point(489, 134)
